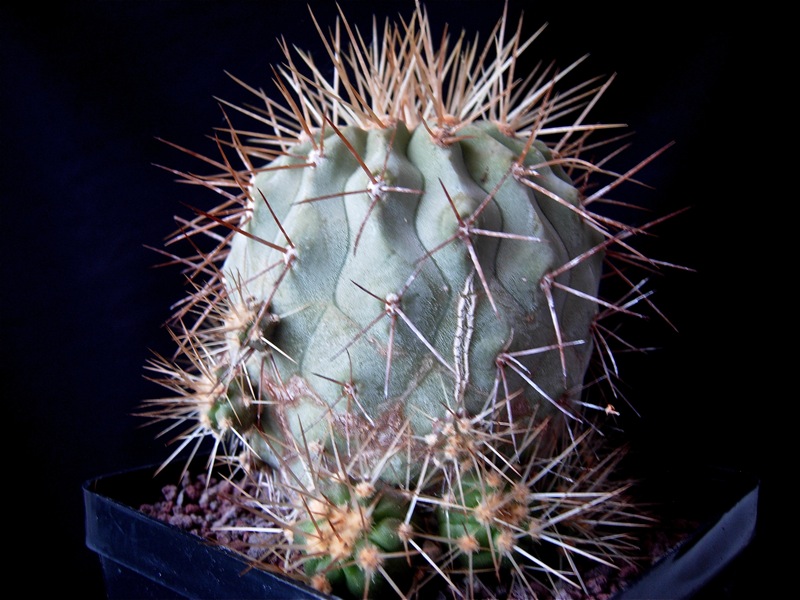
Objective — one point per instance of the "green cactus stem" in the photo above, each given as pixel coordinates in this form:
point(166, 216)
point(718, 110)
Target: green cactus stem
point(414, 293)
point(354, 538)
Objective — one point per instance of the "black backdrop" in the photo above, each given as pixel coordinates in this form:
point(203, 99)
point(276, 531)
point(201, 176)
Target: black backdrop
point(87, 87)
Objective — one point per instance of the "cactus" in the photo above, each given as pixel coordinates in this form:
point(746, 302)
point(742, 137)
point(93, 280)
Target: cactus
point(399, 310)
point(400, 249)
point(351, 535)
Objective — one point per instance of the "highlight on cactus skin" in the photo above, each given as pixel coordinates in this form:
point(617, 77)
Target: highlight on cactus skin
point(397, 312)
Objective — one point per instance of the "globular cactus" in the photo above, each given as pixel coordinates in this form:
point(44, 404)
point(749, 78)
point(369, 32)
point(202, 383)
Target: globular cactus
point(353, 537)
point(404, 279)
point(400, 306)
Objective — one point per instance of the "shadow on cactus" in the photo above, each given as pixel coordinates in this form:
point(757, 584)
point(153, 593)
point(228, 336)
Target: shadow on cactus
point(400, 316)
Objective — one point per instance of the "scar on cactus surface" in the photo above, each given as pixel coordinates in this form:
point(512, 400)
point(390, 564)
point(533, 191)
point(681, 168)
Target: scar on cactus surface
point(400, 333)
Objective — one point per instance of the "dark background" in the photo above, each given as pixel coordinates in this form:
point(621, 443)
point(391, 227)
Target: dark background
point(87, 87)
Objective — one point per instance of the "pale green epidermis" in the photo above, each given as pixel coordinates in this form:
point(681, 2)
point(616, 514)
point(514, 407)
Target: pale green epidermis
point(331, 295)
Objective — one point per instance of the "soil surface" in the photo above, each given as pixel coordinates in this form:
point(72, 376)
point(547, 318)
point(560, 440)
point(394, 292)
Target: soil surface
point(209, 508)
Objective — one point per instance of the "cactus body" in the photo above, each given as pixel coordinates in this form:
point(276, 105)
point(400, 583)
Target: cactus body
point(353, 537)
point(412, 290)
point(405, 292)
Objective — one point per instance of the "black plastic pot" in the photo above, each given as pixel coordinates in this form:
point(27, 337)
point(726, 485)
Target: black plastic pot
point(144, 558)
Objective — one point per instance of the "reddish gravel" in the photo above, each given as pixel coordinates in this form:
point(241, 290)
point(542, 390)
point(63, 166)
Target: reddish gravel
point(205, 510)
